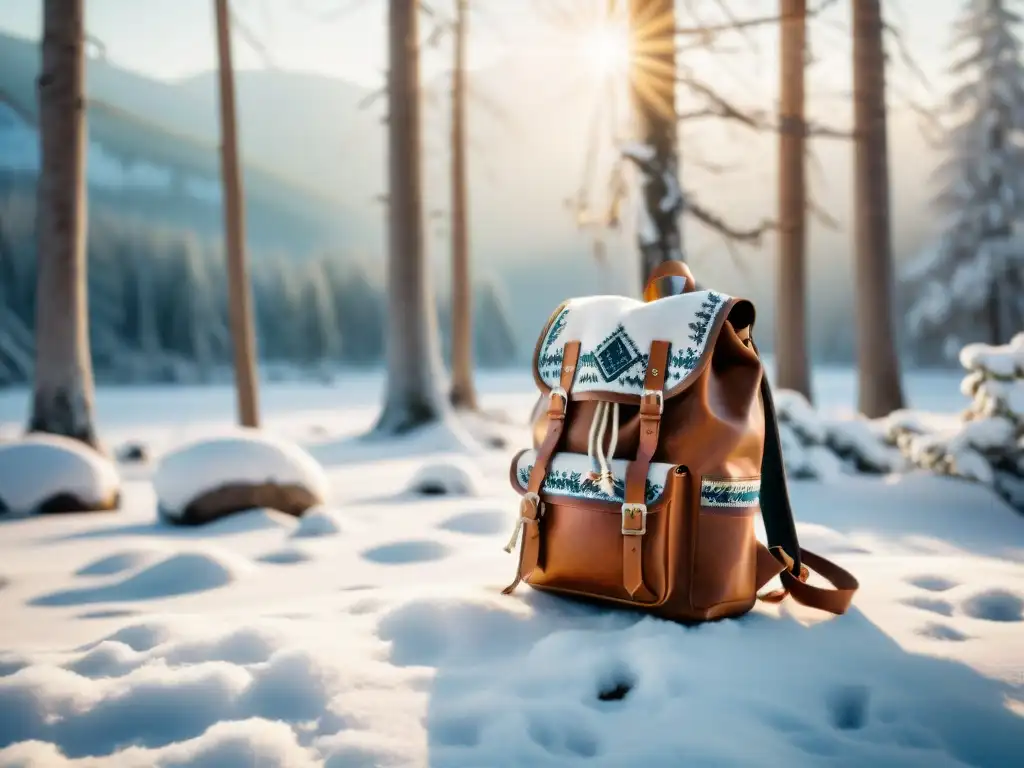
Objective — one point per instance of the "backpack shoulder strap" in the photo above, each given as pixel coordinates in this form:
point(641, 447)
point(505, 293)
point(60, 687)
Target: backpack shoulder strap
point(784, 556)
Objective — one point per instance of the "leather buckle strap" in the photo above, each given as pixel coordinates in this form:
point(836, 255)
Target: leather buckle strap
point(630, 514)
point(531, 508)
point(777, 562)
point(634, 508)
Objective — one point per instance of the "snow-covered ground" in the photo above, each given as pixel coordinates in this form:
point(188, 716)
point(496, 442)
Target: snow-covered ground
point(374, 634)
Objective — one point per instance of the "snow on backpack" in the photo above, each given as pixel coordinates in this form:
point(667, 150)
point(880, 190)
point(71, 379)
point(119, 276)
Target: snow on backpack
point(656, 448)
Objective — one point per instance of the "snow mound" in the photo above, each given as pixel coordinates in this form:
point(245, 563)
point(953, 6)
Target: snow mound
point(451, 477)
point(317, 522)
point(817, 448)
point(119, 562)
point(48, 473)
point(179, 574)
point(209, 479)
point(987, 445)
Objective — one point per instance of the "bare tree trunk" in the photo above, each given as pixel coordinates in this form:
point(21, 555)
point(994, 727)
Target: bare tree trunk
point(463, 393)
point(880, 389)
point(62, 403)
point(239, 290)
point(413, 397)
point(791, 364)
point(653, 94)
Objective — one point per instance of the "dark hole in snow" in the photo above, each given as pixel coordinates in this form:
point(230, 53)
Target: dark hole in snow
point(497, 441)
point(432, 489)
point(133, 452)
point(848, 707)
point(616, 692)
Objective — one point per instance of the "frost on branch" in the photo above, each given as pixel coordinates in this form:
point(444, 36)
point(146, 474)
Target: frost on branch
point(661, 200)
point(987, 445)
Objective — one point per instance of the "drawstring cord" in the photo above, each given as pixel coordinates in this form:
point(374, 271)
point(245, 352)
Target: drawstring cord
point(600, 461)
point(607, 481)
point(595, 436)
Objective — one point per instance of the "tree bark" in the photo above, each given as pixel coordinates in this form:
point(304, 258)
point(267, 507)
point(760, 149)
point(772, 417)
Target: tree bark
point(653, 94)
point(62, 402)
point(880, 389)
point(792, 369)
point(463, 393)
point(413, 397)
point(239, 290)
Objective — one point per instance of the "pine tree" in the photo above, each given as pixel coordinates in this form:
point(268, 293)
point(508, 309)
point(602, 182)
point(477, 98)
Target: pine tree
point(320, 337)
point(971, 286)
point(494, 340)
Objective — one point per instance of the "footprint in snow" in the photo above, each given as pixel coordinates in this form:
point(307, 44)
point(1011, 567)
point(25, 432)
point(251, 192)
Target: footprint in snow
point(476, 523)
point(995, 605)
point(931, 604)
point(286, 556)
point(931, 583)
point(567, 739)
point(938, 631)
point(848, 707)
point(113, 613)
point(406, 552)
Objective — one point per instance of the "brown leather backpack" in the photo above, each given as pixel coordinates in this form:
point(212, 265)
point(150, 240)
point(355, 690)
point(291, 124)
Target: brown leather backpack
point(658, 445)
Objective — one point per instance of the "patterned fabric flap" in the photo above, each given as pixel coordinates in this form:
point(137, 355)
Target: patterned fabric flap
point(568, 475)
point(615, 335)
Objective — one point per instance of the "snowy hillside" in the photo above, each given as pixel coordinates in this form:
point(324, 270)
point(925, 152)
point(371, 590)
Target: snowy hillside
point(373, 634)
point(19, 151)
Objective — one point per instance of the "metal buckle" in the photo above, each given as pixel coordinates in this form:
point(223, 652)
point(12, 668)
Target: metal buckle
point(630, 511)
point(658, 395)
point(560, 393)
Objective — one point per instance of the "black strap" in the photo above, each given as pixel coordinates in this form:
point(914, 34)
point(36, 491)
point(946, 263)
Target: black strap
point(776, 510)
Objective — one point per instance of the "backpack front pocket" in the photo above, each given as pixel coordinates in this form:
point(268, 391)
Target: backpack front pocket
point(581, 529)
point(725, 554)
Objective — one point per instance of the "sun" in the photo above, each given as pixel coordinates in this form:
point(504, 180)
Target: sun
point(606, 49)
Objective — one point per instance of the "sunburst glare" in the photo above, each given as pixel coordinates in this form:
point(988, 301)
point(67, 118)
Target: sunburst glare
point(606, 49)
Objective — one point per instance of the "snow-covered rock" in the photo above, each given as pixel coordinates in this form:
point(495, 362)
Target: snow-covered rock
point(47, 473)
point(451, 477)
point(209, 479)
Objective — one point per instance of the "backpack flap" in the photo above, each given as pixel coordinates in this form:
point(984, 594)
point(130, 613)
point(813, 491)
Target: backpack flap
point(615, 334)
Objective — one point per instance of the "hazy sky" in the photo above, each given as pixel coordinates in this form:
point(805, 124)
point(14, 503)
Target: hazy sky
point(173, 38)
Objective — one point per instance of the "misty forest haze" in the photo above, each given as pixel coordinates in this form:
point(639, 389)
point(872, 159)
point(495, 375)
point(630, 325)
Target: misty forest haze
point(316, 143)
